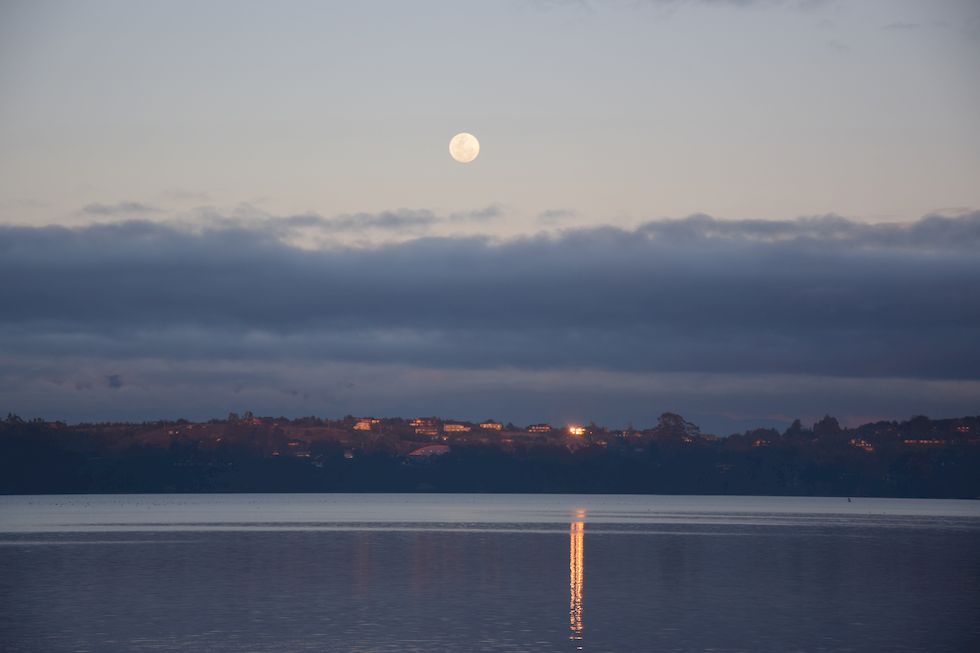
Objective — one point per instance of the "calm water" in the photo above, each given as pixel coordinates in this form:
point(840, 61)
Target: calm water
point(487, 573)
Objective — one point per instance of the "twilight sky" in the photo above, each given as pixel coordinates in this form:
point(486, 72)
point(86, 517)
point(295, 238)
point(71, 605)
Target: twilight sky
point(743, 211)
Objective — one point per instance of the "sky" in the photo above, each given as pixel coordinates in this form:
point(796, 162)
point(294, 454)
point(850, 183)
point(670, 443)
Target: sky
point(742, 211)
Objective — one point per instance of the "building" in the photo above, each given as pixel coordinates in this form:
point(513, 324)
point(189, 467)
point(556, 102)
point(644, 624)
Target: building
point(539, 428)
point(366, 424)
point(422, 421)
point(575, 430)
point(861, 443)
point(431, 431)
point(491, 425)
point(456, 428)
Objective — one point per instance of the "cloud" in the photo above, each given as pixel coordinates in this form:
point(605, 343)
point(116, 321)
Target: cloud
point(728, 322)
point(932, 232)
point(120, 208)
point(403, 220)
point(552, 216)
point(323, 230)
point(248, 218)
point(814, 296)
point(184, 195)
point(66, 388)
point(480, 215)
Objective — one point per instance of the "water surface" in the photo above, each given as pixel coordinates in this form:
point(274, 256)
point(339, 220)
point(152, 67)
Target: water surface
point(487, 572)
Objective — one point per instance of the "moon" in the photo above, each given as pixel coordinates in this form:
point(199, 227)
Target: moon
point(464, 147)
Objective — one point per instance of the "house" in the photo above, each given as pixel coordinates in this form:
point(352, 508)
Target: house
point(491, 425)
point(456, 428)
point(861, 443)
point(539, 428)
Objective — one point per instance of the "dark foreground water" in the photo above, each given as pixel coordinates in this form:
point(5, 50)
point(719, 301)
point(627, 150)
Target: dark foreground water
point(487, 573)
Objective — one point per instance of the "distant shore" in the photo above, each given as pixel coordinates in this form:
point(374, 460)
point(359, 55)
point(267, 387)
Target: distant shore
point(914, 458)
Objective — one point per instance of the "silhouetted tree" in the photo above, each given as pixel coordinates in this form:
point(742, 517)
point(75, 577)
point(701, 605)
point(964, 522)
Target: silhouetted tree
point(795, 430)
point(828, 426)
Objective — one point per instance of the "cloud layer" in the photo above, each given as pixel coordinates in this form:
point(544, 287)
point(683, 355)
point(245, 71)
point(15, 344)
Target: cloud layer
point(821, 297)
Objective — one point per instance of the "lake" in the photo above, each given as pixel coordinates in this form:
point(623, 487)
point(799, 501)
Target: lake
point(314, 572)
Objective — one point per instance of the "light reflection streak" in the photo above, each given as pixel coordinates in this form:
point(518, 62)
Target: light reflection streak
point(576, 572)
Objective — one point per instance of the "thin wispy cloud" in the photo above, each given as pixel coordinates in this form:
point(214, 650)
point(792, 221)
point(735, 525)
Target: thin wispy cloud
point(486, 214)
point(120, 209)
point(402, 222)
point(552, 216)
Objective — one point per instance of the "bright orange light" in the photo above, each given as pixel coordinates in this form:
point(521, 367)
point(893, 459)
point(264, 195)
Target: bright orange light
point(576, 430)
point(576, 573)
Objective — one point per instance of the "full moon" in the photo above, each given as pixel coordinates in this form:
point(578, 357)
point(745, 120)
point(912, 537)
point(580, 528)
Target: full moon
point(464, 147)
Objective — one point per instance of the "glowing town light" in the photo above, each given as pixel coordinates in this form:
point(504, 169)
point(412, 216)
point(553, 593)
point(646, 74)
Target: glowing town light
point(576, 430)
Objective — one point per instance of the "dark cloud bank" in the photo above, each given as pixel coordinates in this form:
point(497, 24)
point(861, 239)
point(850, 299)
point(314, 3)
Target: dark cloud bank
point(821, 297)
